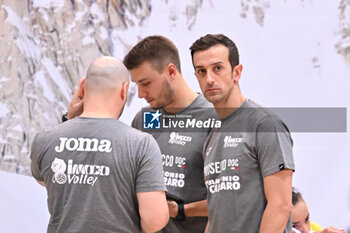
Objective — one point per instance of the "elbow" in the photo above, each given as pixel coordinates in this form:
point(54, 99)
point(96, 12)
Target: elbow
point(156, 223)
point(163, 221)
point(285, 208)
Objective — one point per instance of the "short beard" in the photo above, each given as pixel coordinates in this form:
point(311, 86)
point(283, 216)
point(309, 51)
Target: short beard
point(166, 96)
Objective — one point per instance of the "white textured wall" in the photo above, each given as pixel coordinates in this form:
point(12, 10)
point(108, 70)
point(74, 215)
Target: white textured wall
point(295, 54)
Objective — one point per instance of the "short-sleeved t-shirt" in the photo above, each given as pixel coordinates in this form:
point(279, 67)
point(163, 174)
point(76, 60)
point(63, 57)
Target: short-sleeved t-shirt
point(182, 158)
point(93, 169)
point(251, 144)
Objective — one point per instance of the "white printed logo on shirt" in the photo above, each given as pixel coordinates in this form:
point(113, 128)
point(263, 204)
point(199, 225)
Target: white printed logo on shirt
point(77, 173)
point(58, 166)
point(232, 142)
point(209, 149)
point(227, 182)
point(176, 138)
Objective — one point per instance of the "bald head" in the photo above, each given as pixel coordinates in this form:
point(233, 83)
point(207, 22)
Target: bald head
point(105, 73)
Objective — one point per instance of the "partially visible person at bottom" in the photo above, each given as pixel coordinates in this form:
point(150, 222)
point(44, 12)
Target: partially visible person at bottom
point(100, 174)
point(301, 217)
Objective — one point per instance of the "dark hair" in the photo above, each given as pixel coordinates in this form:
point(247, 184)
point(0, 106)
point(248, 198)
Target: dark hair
point(157, 50)
point(296, 196)
point(210, 40)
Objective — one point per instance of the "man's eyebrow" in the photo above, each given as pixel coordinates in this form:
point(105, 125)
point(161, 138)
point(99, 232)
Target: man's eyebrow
point(217, 63)
point(142, 80)
point(213, 64)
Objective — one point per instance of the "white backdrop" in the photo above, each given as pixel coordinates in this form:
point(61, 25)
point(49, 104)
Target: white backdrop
point(289, 59)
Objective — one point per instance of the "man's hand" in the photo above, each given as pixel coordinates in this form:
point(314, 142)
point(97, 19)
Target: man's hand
point(173, 208)
point(331, 230)
point(76, 106)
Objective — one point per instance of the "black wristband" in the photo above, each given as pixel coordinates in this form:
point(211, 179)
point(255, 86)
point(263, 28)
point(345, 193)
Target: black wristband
point(180, 212)
point(64, 117)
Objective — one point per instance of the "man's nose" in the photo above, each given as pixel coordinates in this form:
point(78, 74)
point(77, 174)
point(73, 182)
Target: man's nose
point(210, 78)
point(141, 92)
point(304, 228)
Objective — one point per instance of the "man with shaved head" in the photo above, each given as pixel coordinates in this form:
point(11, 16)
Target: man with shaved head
point(100, 174)
point(154, 65)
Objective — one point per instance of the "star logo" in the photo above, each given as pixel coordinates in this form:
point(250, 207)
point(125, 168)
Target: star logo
point(151, 120)
point(156, 116)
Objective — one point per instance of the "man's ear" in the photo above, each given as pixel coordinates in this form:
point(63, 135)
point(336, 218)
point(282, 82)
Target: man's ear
point(124, 91)
point(172, 71)
point(81, 88)
point(237, 72)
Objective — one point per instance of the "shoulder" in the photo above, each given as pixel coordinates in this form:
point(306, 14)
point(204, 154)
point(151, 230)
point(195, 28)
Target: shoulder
point(137, 121)
point(201, 108)
point(202, 102)
point(264, 119)
point(135, 136)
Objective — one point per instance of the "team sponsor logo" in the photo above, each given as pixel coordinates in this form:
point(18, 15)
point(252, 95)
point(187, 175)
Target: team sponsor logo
point(77, 173)
point(176, 138)
point(173, 161)
point(224, 182)
point(151, 120)
point(174, 179)
point(221, 166)
point(59, 167)
point(232, 142)
point(83, 144)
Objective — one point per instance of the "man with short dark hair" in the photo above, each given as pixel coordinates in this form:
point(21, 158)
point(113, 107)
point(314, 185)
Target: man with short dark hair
point(249, 162)
point(154, 65)
point(100, 174)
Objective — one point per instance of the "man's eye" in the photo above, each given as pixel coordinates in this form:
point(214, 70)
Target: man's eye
point(218, 68)
point(307, 218)
point(145, 84)
point(201, 71)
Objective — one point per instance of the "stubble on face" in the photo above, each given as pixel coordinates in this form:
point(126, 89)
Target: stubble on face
point(222, 94)
point(165, 97)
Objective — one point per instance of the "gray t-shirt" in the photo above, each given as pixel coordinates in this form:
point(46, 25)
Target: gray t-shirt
point(183, 161)
point(93, 169)
point(251, 144)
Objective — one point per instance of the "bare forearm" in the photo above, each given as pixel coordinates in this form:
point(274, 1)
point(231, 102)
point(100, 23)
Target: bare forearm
point(275, 218)
point(207, 227)
point(195, 209)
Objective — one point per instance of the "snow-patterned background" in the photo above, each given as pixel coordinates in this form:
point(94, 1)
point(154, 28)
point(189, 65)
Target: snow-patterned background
point(294, 53)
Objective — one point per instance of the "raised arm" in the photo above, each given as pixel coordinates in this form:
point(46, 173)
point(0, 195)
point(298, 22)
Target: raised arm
point(76, 105)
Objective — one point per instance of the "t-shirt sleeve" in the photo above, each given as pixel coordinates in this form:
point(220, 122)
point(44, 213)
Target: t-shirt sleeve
point(274, 146)
point(136, 122)
point(35, 156)
point(150, 170)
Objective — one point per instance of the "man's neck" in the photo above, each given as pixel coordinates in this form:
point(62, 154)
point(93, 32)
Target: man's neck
point(183, 97)
point(231, 104)
point(100, 112)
